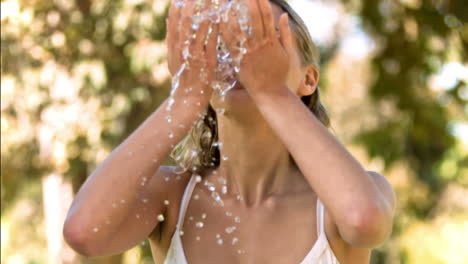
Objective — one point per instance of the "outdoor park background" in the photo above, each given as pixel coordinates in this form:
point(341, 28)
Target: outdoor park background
point(78, 76)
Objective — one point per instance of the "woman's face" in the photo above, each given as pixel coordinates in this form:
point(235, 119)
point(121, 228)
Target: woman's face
point(238, 96)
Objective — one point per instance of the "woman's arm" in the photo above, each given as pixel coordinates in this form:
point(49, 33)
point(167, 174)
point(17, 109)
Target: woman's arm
point(118, 205)
point(120, 202)
point(362, 204)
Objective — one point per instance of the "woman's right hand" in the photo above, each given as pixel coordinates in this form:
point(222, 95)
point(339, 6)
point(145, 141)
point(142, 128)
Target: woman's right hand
point(200, 65)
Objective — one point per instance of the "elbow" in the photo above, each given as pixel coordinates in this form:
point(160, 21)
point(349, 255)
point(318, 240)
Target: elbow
point(369, 228)
point(76, 237)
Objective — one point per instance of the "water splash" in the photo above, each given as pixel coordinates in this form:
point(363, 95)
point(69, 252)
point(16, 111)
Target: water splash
point(160, 218)
point(230, 229)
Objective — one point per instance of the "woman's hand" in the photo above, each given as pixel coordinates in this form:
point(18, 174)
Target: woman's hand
point(264, 68)
point(199, 61)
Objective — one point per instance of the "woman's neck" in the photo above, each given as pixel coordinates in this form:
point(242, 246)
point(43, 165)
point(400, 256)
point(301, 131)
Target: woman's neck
point(254, 161)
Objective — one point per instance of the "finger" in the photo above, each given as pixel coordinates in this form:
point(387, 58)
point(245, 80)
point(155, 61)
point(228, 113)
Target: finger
point(173, 17)
point(256, 19)
point(186, 22)
point(228, 34)
point(286, 36)
point(211, 46)
point(267, 18)
point(202, 32)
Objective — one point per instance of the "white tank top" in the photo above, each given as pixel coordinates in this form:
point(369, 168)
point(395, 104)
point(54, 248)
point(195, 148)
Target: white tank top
point(321, 253)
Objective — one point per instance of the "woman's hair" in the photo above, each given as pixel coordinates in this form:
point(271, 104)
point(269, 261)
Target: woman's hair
point(199, 150)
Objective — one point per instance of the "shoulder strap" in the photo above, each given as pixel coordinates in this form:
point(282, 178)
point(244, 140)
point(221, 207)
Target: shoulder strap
point(320, 217)
point(185, 201)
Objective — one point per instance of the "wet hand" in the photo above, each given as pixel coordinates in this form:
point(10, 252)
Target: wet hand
point(192, 50)
point(265, 65)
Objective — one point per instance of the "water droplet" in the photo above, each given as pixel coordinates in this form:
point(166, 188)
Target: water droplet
point(237, 219)
point(186, 55)
point(217, 198)
point(239, 197)
point(160, 217)
point(197, 238)
point(122, 201)
point(166, 202)
point(224, 189)
point(155, 160)
point(220, 144)
point(166, 178)
point(222, 180)
point(225, 157)
point(181, 233)
point(196, 197)
point(214, 16)
point(210, 186)
point(137, 216)
point(220, 241)
point(171, 135)
point(95, 229)
point(114, 205)
point(218, 235)
point(235, 240)
point(199, 224)
point(144, 179)
point(230, 229)
point(194, 152)
point(198, 178)
point(169, 104)
point(169, 119)
point(191, 218)
point(179, 3)
point(228, 213)
point(196, 20)
point(144, 200)
point(203, 216)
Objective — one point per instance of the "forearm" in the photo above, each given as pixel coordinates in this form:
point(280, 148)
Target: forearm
point(343, 185)
point(113, 190)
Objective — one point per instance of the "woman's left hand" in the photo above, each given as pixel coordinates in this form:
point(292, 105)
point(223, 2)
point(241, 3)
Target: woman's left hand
point(264, 68)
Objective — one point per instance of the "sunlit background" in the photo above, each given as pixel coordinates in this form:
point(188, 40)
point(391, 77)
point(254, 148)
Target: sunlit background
point(78, 76)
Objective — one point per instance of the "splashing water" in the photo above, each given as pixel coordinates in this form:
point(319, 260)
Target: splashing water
point(227, 69)
point(160, 217)
point(230, 229)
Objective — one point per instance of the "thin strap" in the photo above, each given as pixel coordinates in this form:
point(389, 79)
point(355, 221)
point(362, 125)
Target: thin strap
point(185, 201)
point(320, 217)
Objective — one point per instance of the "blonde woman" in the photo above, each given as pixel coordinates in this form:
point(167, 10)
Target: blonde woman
point(264, 180)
